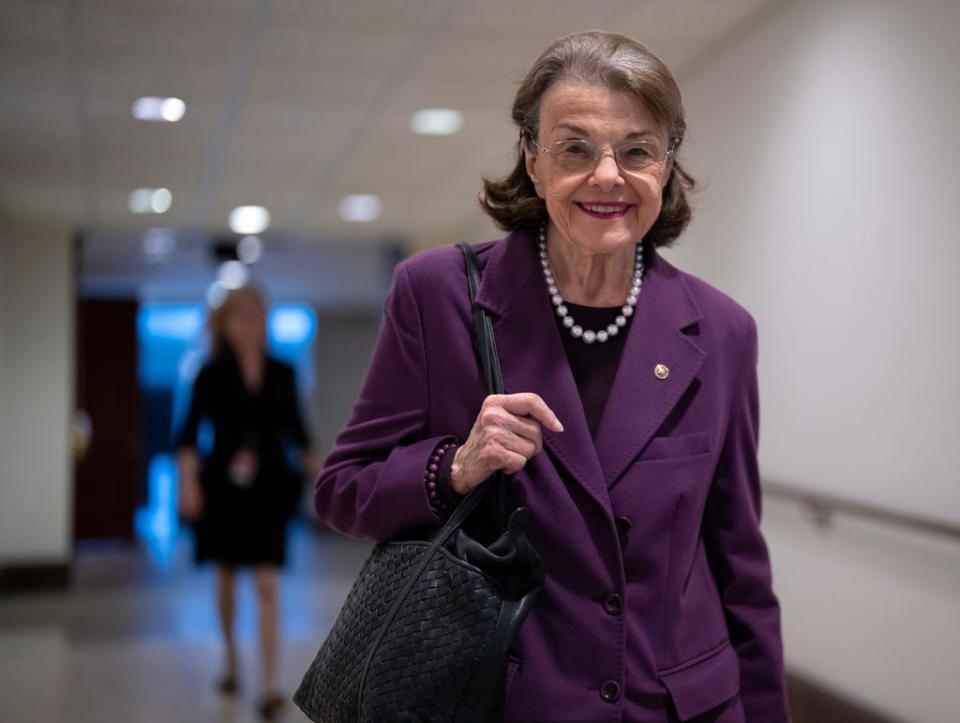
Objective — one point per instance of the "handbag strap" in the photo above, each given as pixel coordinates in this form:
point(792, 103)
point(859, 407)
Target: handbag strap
point(490, 361)
point(486, 346)
point(483, 339)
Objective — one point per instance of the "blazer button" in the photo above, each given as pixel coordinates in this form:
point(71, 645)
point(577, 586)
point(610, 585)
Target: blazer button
point(613, 603)
point(610, 691)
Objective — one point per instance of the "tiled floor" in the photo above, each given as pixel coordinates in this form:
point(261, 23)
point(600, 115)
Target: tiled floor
point(135, 640)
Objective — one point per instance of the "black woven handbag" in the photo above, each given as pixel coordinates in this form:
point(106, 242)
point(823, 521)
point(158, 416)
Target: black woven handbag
point(424, 632)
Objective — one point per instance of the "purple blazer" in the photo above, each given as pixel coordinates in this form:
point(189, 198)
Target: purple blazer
point(658, 604)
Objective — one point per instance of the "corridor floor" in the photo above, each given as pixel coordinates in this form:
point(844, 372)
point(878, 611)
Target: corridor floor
point(135, 639)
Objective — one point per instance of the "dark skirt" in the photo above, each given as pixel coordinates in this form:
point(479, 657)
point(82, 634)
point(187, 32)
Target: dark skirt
point(243, 525)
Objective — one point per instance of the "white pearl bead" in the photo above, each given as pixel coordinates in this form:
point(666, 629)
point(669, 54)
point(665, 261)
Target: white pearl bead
point(589, 336)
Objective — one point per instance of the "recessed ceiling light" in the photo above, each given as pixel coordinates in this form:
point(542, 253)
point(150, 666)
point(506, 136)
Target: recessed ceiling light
point(360, 207)
point(249, 219)
point(249, 249)
point(436, 121)
point(158, 245)
point(149, 200)
point(154, 108)
point(233, 274)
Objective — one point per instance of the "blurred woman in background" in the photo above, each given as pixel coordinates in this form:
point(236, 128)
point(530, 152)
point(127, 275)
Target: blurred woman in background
point(241, 494)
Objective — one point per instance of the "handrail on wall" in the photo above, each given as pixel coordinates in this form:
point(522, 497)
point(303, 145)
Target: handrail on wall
point(824, 506)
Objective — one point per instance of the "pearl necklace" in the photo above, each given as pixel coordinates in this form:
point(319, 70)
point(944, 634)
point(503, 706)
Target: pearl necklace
point(578, 332)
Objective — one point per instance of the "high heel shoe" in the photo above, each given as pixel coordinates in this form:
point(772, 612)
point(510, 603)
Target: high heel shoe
point(271, 706)
point(228, 685)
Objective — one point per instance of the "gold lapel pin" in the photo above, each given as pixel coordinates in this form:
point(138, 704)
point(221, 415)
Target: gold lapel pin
point(661, 371)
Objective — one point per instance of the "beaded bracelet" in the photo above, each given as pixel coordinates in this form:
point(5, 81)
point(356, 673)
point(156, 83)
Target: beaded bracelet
point(430, 476)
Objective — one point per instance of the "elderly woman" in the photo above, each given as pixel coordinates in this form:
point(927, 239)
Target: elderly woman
point(629, 425)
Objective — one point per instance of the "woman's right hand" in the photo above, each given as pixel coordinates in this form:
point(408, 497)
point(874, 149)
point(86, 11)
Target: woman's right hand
point(190, 502)
point(189, 491)
point(505, 435)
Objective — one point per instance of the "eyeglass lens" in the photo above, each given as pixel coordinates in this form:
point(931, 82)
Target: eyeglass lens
point(582, 155)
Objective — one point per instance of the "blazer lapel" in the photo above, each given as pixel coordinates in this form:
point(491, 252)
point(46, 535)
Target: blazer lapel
point(532, 356)
point(640, 400)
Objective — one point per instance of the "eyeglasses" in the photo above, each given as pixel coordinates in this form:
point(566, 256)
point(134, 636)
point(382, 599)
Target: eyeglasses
point(582, 156)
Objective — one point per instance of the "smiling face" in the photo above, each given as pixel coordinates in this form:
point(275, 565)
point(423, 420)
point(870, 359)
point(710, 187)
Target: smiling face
point(601, 210)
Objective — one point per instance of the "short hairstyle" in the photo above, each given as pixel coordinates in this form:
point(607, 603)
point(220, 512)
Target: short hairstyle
point(620, 64)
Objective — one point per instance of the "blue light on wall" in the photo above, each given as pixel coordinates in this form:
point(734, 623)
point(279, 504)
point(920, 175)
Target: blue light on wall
point(156, 523)
point(166, 332)
point(292, 324)
point(176, 322)
point(290, 331)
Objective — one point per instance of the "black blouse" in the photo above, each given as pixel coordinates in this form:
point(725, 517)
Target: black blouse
point(594, 366)
point(267, 421)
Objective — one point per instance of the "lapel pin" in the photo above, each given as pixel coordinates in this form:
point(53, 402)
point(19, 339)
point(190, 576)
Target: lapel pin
point(661, 371)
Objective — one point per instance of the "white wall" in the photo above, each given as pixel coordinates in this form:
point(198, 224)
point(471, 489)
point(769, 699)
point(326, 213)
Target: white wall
point(869, 612)
point(827, 138)
point(36, 379)
point(4, 240)
point(828, 141)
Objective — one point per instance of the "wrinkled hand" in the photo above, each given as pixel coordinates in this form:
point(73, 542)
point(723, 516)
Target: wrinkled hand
point(506, 433)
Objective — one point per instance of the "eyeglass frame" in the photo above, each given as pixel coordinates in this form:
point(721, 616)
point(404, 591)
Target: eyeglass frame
point(614, 151)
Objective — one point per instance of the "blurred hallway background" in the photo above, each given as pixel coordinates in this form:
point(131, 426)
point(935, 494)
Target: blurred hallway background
point(825, 136)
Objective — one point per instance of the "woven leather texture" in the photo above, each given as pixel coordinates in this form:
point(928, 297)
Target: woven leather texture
point(427, 657)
